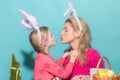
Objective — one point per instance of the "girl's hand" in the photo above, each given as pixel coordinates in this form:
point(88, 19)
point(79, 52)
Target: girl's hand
point(56, 78)
point(65, 54)
point(81, 77)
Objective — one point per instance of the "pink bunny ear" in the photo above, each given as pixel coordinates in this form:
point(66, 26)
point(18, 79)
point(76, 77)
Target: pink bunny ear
point(30, 22)
point(26, 24)
point(29, 25)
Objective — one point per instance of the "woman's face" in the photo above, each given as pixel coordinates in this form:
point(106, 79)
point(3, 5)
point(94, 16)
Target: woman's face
point(67, 35)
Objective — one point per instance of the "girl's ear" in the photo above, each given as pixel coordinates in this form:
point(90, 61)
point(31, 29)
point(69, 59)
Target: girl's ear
point(77, 33)
point(43, 41)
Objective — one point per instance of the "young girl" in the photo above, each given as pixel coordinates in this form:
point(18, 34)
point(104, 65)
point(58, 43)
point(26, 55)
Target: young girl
point(41, 39)
point(80, 40)
point(45, 67)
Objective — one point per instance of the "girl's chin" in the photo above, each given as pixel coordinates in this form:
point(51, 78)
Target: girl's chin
point(53, 44)
point(64, 42)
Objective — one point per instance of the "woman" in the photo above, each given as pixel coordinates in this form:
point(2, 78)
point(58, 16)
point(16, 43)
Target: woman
point(80, 40)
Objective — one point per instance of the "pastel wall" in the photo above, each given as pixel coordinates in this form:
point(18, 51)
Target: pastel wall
point(103, 17)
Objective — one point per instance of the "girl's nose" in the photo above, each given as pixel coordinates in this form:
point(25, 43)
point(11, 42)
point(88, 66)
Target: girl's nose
point(54, 38)
point(61, 33)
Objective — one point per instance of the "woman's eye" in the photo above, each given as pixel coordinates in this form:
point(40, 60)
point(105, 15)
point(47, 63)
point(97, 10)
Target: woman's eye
point(51, 35)
point(65, 30)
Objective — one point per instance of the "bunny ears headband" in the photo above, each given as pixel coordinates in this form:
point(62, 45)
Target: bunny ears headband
point(30, 22)
point(72, 11)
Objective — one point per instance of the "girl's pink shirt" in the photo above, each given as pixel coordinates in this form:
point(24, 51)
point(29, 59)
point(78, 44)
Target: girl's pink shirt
point(92, 56)
point(46, 68)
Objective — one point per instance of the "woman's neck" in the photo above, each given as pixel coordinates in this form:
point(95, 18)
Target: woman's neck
point(75, 44)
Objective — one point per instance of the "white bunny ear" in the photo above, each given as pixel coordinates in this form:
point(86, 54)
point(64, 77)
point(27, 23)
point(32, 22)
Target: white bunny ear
point(73, 13)
point(34, 22)
point(67, 12)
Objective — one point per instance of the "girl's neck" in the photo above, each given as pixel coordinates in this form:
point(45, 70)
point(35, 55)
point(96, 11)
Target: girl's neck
point(46, 50)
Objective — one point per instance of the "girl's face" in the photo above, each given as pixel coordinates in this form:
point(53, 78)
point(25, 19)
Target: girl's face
point(51, 39)
point(67, 35)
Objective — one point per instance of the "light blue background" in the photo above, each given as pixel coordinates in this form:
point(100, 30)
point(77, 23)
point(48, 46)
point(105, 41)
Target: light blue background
point(103, 17)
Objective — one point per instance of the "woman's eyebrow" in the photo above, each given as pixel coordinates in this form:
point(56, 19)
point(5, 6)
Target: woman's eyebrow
point(65, 27)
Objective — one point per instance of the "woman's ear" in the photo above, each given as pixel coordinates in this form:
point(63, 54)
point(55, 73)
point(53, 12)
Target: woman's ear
point(77, 33)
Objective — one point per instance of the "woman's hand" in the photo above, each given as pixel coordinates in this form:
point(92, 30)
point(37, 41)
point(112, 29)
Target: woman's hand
point(81, 77)
point(73, 55)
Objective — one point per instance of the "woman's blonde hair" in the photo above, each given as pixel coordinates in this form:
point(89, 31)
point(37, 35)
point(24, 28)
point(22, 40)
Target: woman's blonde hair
point(33, 37)
point(84, 40)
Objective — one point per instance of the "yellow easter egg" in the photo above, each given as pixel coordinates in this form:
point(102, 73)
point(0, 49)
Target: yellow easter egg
point(102, 74)
point(110, 73)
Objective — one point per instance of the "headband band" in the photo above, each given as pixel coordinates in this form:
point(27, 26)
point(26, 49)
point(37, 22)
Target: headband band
point(72, 11)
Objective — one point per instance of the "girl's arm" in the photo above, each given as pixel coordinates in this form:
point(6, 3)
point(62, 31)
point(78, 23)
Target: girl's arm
point(52, 67)
point(61, 60)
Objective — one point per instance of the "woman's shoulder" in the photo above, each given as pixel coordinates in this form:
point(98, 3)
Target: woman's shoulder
point(92, 53)
point(93, 57)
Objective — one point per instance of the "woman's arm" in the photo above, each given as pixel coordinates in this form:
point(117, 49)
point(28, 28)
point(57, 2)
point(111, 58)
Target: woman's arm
point(81, 77)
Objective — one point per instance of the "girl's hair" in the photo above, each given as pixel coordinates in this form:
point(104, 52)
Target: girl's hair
point(33, 37)
point(84, 40)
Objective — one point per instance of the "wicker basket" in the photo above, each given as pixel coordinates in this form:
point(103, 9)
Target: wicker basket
point(97, 75)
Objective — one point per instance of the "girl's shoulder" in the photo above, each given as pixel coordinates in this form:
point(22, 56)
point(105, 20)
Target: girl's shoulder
point(40, 55)
point(43, 56)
